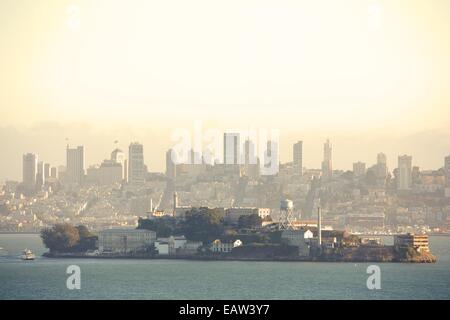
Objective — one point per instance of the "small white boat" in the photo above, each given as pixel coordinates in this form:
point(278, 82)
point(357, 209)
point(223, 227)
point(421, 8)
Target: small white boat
point(28, 255)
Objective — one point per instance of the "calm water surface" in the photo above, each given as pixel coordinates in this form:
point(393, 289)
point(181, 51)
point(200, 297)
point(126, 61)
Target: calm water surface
point(45, 278)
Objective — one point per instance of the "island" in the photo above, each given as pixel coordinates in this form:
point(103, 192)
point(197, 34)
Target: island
point(204, 234)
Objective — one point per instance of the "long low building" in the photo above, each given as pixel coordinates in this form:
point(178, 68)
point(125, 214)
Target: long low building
point(415, 241)
point(125, 240)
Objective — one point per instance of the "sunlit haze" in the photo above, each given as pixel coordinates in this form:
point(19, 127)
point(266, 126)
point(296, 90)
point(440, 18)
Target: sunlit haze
point(373, 76)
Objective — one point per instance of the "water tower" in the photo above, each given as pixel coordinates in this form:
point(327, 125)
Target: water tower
point(286, 214)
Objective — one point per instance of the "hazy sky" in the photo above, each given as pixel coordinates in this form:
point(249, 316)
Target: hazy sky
point(371, 75)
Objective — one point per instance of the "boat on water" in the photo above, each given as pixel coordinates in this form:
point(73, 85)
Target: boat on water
point(28, 255)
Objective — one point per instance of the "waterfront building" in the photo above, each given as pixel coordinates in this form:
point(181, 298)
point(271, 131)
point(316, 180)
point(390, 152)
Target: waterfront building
point(224, 247)
point(296, 237)
point(417, 242)
point(162, 247)
point(170, 245)
point(136, 168)
point(125, 240)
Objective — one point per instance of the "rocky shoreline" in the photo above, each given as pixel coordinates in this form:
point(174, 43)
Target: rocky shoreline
point(352, 255)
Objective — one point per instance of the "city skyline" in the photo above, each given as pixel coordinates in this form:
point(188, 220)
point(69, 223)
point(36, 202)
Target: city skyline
point(133, 167)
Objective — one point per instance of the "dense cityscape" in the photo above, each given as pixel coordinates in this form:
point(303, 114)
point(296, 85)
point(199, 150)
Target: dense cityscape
point(371, 199)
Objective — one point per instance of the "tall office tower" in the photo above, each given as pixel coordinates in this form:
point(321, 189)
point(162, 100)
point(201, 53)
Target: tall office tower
point(272, 153)
point(46, 171)
point(298, 157)
point(447, 169)
point(29, 169)
point(54, 172)
point(404, 180)
point(381, 165)
point(251, 161)
point(327, 164)
point(74, 165)
point(136, 168)
point(194, 157)
point(40, 177)
point(359, 169)
point(125, 170)
point(171, 168)
point(249, 152)
point(231, 148)
point(381, 170)
point(118, 156)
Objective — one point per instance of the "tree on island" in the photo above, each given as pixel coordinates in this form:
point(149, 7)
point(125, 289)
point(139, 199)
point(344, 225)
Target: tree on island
point(203, 224)
point(164, 226)
point(67, 238)
point(87, 240)
point(251, 221)
point(60, 238)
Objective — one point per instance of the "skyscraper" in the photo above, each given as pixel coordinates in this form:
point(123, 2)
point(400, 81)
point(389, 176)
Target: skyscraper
point(54, 172)
point(381, 169)
point(118, 156)
point(298, 157)
point(404, 181)
point(249, 152)
point(231, 148)
point(251, 160)
point(136, 169)
point(271, 159)
point(327, 164)
point(171, 169)
point(447, 169)
point(29, 169)
point(46, 171)
point(75, 165)
point(359, 169)
point(40, 177)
